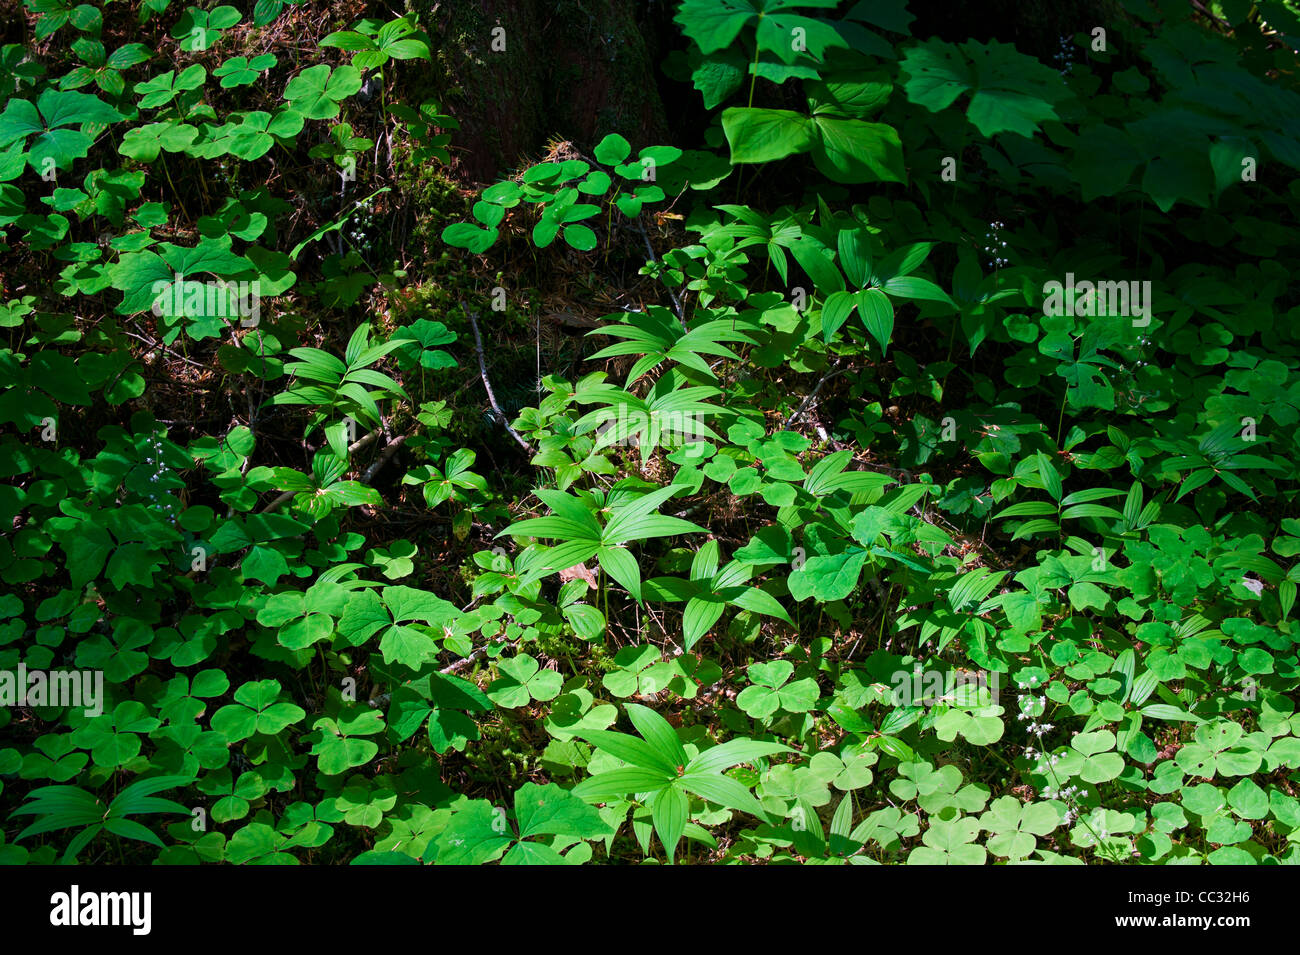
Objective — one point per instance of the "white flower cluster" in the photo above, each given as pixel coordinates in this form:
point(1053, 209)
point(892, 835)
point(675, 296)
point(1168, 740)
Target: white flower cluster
point(995, 246)
point(1142, 344)
point(359, 227)
point(1031, 708)
point(1065, 55)
point(1068, 795)
point(152, 461)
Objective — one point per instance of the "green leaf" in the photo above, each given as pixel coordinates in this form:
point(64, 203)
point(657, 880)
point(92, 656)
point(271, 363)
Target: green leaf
point(620, 782)
point(612, 150)
point(317, 91)
point(1010, 92)
point(844, 149)
point(851, 150)
point(658, 732)
point(733, 753)
point(553, 810)
point(764, 135)
point(877, 314)
point(670, 812)
point(724, 791)
point(910, 286)
point(87, 552)
point(473, 836)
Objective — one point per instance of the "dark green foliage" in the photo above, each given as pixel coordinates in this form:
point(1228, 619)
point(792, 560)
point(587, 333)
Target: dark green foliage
point(942, 511)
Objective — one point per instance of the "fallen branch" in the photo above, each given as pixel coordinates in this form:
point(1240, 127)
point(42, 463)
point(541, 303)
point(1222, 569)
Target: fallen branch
point(384, 458)
point(464, 661)
point(650, 249)
point(1219, 21)
point(282, 499)
point(166, 351)
point(487, 385)
point(834, 370)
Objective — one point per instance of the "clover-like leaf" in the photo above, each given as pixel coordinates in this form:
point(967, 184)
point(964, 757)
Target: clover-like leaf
point(317, 91)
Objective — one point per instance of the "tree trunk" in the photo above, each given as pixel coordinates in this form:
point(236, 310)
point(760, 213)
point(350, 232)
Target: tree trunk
point(519, 73)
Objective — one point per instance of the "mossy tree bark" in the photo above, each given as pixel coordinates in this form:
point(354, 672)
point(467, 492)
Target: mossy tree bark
point(516, 73)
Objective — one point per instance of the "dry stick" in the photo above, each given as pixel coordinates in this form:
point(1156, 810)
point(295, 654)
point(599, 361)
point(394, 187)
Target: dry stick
point(464, 661)
point(275, 505)
point(677, 302)
point(165, 350)
point(487, 385)
point(696, 508)
point(383, 458)
point(835, 370)
point(1220, 22)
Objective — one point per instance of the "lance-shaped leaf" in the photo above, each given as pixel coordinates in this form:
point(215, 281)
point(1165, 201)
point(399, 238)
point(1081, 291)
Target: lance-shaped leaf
point(709, 592)
point(669, 416)
point(657, 336)
point(631, 518)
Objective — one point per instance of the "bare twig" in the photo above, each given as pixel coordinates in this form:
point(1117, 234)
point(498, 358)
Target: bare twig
point(835, 369)
point(1219, 21)
point(364, 441)
point(650, 250)
point(275, 505)
point(487, 385)
point(465, 661)
point(166, 351)
point(383, 458)
point(697, 507)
